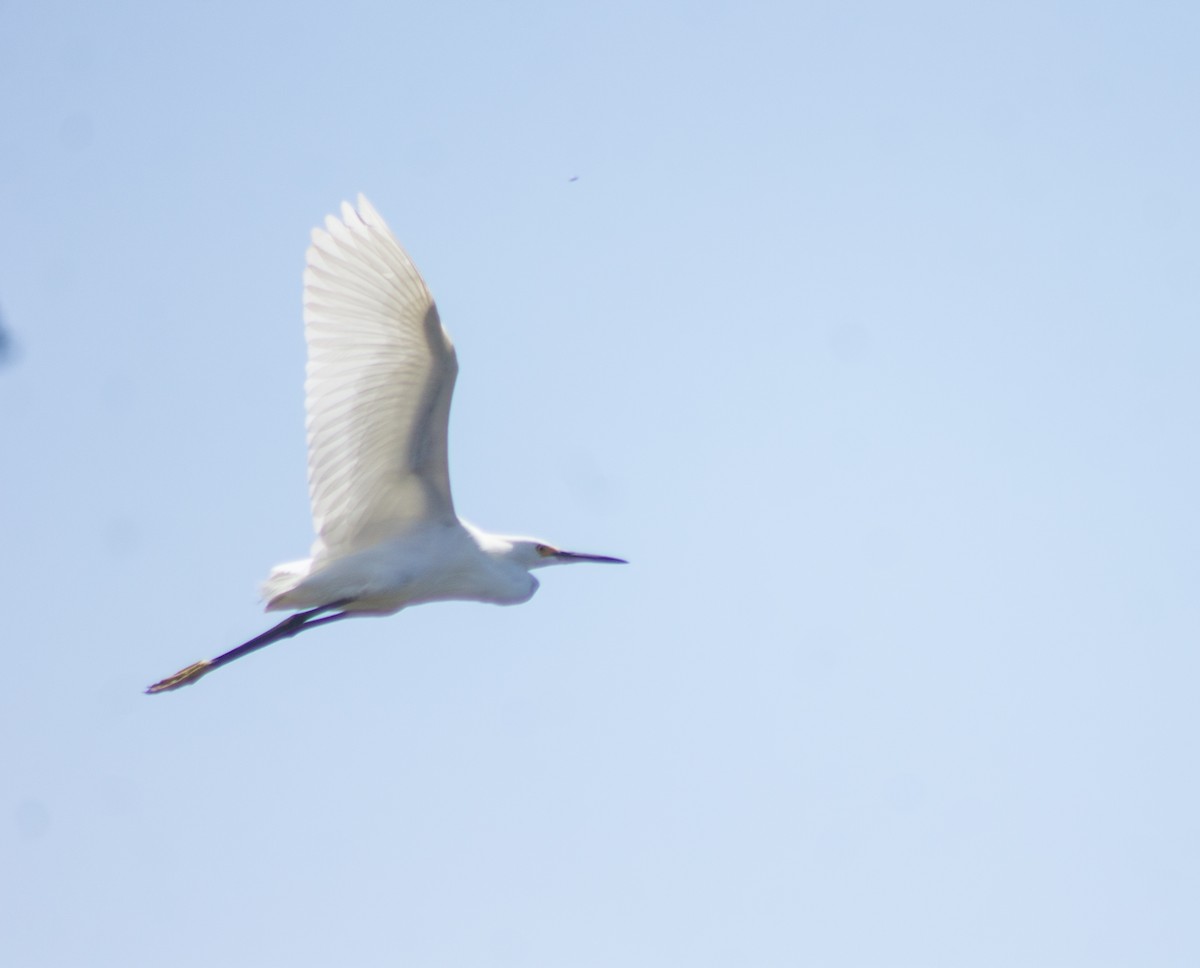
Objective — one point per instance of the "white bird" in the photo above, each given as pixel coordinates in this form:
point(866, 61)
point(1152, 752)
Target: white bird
point(381, 371)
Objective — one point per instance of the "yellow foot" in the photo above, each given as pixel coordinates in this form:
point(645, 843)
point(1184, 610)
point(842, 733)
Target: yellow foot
point(184, 677)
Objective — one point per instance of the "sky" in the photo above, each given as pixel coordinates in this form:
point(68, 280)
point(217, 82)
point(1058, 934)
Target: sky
point(869, 333)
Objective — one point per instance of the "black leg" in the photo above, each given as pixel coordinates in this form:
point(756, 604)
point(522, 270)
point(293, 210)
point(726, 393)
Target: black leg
point(292, 625)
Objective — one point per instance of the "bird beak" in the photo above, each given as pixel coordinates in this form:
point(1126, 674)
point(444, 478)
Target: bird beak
point(572, 556)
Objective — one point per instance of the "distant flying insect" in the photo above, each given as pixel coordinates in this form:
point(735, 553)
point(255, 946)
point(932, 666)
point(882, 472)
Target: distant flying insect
point(381, 371)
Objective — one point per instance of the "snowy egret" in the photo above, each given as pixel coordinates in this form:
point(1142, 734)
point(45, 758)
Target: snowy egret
point(381, 371)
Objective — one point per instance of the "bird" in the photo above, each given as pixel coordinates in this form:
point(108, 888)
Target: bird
point(379, 377)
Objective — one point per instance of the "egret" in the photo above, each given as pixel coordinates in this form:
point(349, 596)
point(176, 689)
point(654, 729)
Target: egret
point(380, 374)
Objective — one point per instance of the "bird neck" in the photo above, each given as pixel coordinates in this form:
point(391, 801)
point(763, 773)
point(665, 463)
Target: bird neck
point(496, 546)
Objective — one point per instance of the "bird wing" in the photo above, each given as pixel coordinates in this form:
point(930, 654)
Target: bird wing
point(381, 372)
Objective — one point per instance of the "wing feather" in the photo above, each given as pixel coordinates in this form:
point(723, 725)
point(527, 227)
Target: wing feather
point(381, 373)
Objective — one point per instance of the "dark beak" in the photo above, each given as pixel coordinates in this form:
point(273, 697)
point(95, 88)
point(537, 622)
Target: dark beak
point(576, 556)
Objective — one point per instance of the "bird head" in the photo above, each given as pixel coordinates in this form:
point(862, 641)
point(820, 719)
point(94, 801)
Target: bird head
point(531, 553)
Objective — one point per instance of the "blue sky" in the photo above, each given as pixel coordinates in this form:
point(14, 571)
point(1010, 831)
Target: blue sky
point(867, 332)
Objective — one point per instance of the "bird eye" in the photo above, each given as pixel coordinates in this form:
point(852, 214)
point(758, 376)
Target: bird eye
point(544, 550)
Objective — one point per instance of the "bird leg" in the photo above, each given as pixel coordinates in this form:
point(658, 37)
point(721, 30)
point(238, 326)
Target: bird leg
point(292, 625)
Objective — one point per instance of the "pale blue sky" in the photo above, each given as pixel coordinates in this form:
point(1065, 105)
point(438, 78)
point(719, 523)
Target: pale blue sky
point(869, 332)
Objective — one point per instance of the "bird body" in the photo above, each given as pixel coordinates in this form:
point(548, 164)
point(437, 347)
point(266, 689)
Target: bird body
point(431, 563)
point(380, 377)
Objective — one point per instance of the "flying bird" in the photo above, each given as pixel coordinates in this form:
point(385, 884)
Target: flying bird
point(381, 371)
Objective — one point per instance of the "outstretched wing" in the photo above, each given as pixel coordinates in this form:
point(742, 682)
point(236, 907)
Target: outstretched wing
point(381, 372)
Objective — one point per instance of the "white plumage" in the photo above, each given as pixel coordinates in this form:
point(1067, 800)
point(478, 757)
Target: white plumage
point(381, 373)
point(381, 370)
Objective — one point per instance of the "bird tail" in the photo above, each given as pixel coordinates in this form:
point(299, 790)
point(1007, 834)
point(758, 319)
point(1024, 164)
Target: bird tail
point(283, 579)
